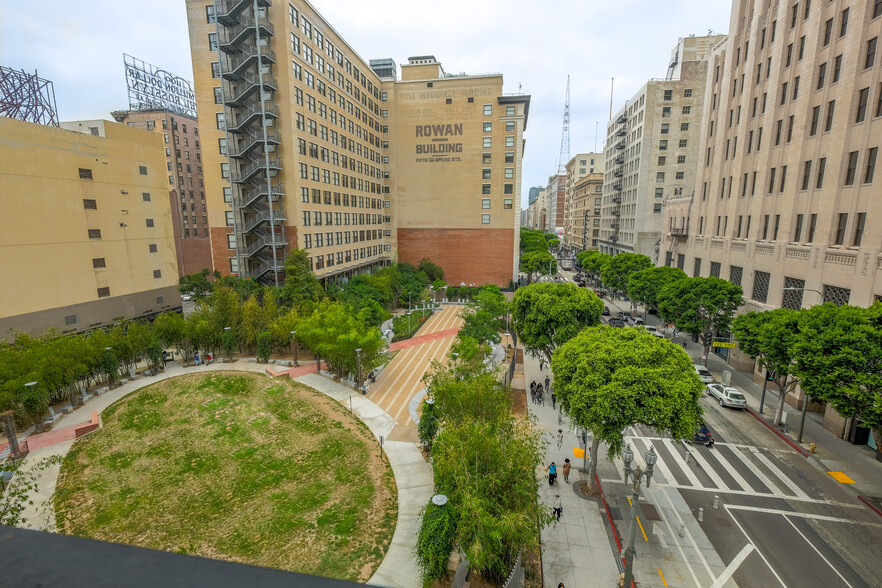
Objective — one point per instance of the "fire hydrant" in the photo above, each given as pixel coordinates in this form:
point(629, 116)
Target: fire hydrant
point(812, 447)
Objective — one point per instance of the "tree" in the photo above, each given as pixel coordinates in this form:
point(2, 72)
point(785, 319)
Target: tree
point(700, 306)
point(435, 273)
point(644, 285)
point(300, 282)
point(546, 316)
point(533, 262)
point(768, 337)
point(483, 315)
point(198, 283)
point(616, 272)
point(593, 262)
point(839, 360)
point(17, 495)
point(335, 331)
point(609, 379)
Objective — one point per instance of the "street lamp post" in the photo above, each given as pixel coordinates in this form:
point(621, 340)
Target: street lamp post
point(294, 345)
point(636, 474)
point(358, 370)
point(805, 400)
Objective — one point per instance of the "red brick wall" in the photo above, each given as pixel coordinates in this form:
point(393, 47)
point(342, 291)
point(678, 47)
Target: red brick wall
point(220, 252)
point(478, 256)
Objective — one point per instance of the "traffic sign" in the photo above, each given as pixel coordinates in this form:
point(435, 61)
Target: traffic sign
point(730, 344)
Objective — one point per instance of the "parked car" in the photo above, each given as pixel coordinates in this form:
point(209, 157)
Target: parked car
point(727, 395)
point(703, 436)
point(704, 374)
point(616, 322)
point(636, 321)
point(187, 297)
point(605, 311)
point(654, 331)
point(625, 316)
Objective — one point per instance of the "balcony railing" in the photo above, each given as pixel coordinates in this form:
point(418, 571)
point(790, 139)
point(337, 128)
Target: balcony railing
point(243, 27)
point(620, 145)
point(235, 66)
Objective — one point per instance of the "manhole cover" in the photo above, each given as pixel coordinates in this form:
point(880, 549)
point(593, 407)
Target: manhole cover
point(724, 522)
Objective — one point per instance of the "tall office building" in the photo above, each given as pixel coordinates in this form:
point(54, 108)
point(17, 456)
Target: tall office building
point(555, 199)
point(86, 226)
point(183, 160)
point(786, 203)
point(583, 214)
point(574, 213)
point(311, 148)
point(652, 151)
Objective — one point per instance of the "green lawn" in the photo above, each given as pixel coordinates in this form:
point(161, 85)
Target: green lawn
point(234, 466)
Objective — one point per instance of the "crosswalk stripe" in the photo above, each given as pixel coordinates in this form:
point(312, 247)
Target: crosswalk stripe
point(778, 473)
point(669, 444)
point(715, 478)
point(773, 488)
point(732, 471)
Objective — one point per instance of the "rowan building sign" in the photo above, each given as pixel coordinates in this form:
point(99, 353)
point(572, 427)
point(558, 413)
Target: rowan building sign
point(153, 88)
point(439, 140)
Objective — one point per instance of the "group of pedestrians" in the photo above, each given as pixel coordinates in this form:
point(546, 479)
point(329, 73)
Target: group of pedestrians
point(537, 393)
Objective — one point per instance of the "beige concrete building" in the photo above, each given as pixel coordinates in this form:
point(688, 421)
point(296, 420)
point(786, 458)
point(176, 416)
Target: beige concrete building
point(183, 160)
point(86, 232)
point(537, 209)
point(584, 214)
point(555, 199)
point(786, 194)
point(652, 151)
point(315, 148)
point(577, 168)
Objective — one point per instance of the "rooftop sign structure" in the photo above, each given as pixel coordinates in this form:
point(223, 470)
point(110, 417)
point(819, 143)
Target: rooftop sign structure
point(151, 88)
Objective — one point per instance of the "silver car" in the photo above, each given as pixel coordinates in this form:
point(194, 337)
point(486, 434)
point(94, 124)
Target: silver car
point(727, 395)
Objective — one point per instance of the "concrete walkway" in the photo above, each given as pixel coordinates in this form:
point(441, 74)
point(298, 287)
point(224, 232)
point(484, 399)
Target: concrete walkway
point(577, 550)
point(413, 475)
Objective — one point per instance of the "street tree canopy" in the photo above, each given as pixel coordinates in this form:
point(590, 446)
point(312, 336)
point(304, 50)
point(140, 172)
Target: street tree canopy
point(483, 315)
point(548, 315)
point(700, 306)
point(616, 272)
point(593, 262)
point(537, 262)
point(839, 360)
point(644, 285)
point(300, 282)
point(608, 379)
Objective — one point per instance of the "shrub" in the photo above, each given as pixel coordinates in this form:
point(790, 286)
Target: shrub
point(435, 541)
point(264, 346)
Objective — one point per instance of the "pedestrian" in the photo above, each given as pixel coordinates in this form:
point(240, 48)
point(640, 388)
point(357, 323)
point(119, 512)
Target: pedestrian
point(547, 382)
point(553, 400)
point(559, 438)
point(561, 585)
point(552, 473)
point(541, 364)
point(566, 469)
point(556, 508)
point(196, 358)
point(533, 394)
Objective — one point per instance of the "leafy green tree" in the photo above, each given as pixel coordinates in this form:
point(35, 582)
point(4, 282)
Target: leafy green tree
point(18, 495)
point(701, 306)
point(768, 337)
point(300, 282)
point(335, 331)
point(483, 316)
point(537, 262)
point(618, 270)
point(839, 360)
point(264, 346)
point(609, 379)
point(435, 541)
point(435, 273)
point(200, 284)
point(644, 285)
point(169, 328)
point(593, 262)
point(533, 241)
point(546, 316)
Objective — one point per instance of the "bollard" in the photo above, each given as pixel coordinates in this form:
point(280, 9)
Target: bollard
point(682, 530)
point(813, 447)
point(716, 501)
point(700, 515)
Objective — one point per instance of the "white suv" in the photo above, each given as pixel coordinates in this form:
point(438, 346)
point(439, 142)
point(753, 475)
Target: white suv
point(703, 374)
point(654, 331)
point(728, 395)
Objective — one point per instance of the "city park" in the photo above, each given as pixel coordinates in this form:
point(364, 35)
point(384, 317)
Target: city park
point(234, 465)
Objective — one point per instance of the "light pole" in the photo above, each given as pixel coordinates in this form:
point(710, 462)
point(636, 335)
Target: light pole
point(226, 343)
point(805, 400)
point(294, 345)
point(637, 475)
point(358, 371)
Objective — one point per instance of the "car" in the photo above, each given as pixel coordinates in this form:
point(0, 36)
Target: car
point(187, 297)
point(616, 322)
point(625, 316)
point(703, 374)
point(636, 321)
point(703, 436)
point(727, 395)
point(605, 311)
point(654, 331)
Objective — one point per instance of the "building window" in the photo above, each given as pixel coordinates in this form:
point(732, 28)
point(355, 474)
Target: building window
point(829, 123)
point(660, 176)
point(145, 196)
point(215, 69)
point(509, 173)
point(735, 273)
point(488, 127)
point(657, 208)
point(485, 188)
point(850, 168)
point(870, 58)
point(863, 97)
point(859, 229)
point(488, 142)
point(485, 219)
point(485, 203)
point(871, 165)
point(684, 126)
point(157, 274)
point(103, 292)
point(149, 222)
point(715, 269)
point(509, 141)
point(228, 217)
point(840, 228)
point(836, 295)
point(696, 268)
point(152, 248)
point(679, 175)
point(665, 128)
point(94, 233)
point(488, 109)
point(98, 262)
point(89, 204)
point(508, 189)
point(85, 174)
point(669, 94)
point(792, 299)
point(663, 145)
point(507, 203)
point(760, 286)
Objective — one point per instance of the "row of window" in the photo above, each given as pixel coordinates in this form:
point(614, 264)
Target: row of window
point(96, 233)
point(507, 203)
point(340, 160)
point(342, 237)
point(315, 217)
point(85, 173)
point(803, 226)
point(322, 261)
point(151, 124)
point(341, 199)
point(326, 176)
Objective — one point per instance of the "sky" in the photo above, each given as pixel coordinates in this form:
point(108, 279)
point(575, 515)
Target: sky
point(79, 46)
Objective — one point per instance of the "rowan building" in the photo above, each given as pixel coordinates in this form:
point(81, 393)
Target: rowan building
point(306, 145)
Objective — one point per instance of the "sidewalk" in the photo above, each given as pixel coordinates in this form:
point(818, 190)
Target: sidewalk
point(577, 550)
point(833, 454)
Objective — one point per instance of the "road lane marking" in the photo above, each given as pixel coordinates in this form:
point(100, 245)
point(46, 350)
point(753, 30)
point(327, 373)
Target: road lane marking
point(681, 463)
point(662, 576)
point(660, 464)
point(840, 477)
point(827, 561)
point(804, 515)
point(732, 471)
point(733, 566)
point(698, 552)
point(758, 552)
point(642, 530)
point(709, 470)
point(773, 488)
point(778, 473)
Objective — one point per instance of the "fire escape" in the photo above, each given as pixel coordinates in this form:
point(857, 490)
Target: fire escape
point(250, 116)
point(618, 177)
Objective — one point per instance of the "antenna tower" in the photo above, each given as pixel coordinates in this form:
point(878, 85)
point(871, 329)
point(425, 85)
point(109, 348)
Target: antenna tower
point(565, 136)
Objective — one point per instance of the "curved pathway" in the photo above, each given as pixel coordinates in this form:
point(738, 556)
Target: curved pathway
point(413, 475)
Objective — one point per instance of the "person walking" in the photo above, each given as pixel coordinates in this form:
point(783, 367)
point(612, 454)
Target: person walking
point(553, 400)
point(552, 473)
point(533, 393)
point(547, 383)
point(566, 470)
point(556, 508)
point(559, 438)
point(541, 364)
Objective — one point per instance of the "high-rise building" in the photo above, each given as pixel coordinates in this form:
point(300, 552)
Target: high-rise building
point(786, 202)
point(86, 225)
point(183, 159)
point(309, 147)
point(555, 195)
point(583, 214)
point(652, 151)
point(577, 168)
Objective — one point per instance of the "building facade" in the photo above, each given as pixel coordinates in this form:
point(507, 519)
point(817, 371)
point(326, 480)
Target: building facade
point(652, 151)
point(786, 203)
point(536, 209)
point(311, 148)
point(583, 209)
point(577, 168)
point(183, 160)
point(93, 240)
point(555, 201)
